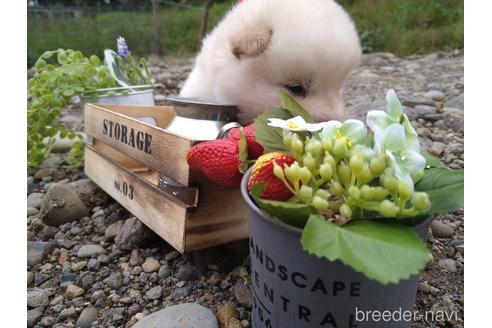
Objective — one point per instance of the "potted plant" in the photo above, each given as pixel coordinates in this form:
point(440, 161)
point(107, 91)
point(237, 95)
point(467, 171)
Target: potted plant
point(338, 217)
point(61, 74)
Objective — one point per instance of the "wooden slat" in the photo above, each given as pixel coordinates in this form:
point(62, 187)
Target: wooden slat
point(221, 216)
point(164, 152)
point(148, 203)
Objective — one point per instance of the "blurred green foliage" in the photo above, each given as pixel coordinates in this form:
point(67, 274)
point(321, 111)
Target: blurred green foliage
point(402, 27)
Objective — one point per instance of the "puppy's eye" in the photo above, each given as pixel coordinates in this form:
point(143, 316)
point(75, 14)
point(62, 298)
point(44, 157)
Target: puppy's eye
point(296, 90)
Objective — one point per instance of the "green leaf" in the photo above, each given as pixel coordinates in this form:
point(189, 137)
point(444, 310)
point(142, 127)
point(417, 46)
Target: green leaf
point(243, 152)
point(268, 136)
point(385, 252)
point(430, 161)
point(290, 104)
point(290, 213)
point(445, 188)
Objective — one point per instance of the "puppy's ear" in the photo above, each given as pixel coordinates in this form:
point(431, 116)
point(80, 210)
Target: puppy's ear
point(252, 43)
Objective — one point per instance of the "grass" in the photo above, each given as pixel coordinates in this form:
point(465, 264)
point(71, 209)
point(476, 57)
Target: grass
point(402, 27)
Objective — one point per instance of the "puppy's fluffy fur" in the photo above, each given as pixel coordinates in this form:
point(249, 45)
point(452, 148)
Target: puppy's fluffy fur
point(262, 46)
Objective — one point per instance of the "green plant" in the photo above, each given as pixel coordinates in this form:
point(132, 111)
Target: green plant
point(355, 191)
point(62, 74)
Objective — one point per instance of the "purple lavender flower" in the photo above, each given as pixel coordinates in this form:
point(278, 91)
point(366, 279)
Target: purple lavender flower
point(122, 47)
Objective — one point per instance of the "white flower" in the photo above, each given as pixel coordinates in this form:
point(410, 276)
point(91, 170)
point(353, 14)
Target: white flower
point(378, 120)
point(296, 124)
point(404, 161)
point(353, 130)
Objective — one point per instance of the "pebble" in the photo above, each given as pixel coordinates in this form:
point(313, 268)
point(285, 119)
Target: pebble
point(68, 313)
point(434, 95)
point(73, 291)
point(77, 266)
point(87, 317)
point(90, 251)
point(113, 230)
point(179, 293)
point(38, 298)
point(132, 234)
point(188, 272)
point(154, 293)
point(32, 211)
point(164, 271)
point(33, 316)
point(437, 148)
point(150, 265)
point(136, 258)
point(35, 200)
point(457, 102)
point(243, 295)
point(447, 264)
point(186, 315)
point(68, 279)
point(441, 230)
point(171, 256)
point(103, 259)
point(30, 278)
point(93, 265)
point(225, 313)
point(37, 250)
point(234, 323)
point(47, 321)
point(114, 281)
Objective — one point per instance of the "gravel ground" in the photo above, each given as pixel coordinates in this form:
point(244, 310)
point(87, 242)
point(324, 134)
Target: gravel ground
point(97, 266)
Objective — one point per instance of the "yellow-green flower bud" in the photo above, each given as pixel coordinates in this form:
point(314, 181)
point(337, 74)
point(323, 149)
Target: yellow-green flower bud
point(325, 171)
point(367, 192)
point(340, 148)
point(345, 211)
point(354, 192)
point(296, 145)
point(344, 174)
point(417, 176)
point(327, 145)
point(390, 183)
point(278, 171)
point(379, 193)
point(404, 190)
point(319, 203)
point(329, 160)
point(293, 172)
point(336, 188)
point(305, 175)
point(388, 209)
point(287, 139)
point(309, 162)
point(322, 193)
point(365, 173)
point(421, 201)
point(356, 163)
point(306, 192)
point(378, 165)
point(313, 147)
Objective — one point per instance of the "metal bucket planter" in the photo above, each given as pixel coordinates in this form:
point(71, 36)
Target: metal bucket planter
point(294, 289)
point(136, 95)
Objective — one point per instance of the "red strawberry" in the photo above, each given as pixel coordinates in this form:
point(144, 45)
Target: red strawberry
point(218, 160)
point(263, 172)
point(255, 150)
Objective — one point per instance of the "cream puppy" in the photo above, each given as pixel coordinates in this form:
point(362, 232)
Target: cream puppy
point(306, 47)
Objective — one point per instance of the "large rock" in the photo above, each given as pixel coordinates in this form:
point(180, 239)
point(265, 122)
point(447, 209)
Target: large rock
point(87, 317)
point(187, 315)
point(87, 191)
point(132, 234)
point(37, 250)
point(61, 205)
point(90, 251)
point(33, 316)
point(38, 298)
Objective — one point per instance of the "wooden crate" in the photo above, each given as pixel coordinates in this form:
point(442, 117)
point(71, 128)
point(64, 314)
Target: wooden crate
point(125, 157)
